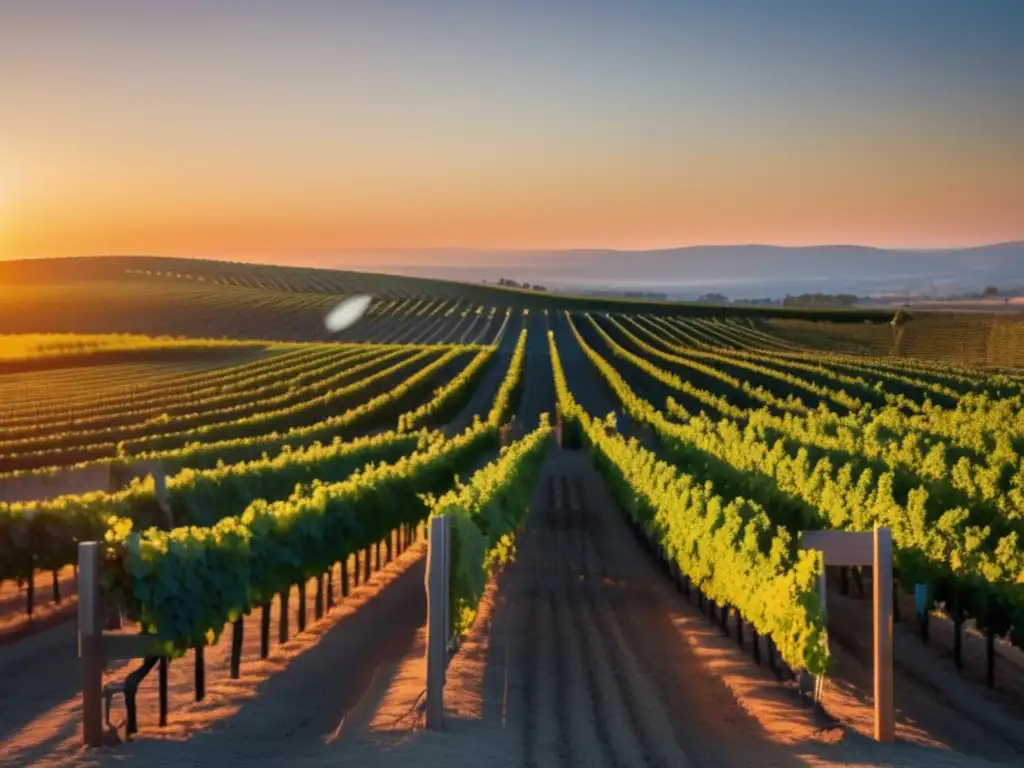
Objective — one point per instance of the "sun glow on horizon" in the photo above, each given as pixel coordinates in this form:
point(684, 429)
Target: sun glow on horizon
point(526, 127)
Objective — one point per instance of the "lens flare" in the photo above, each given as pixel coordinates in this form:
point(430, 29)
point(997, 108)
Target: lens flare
point(347, 313)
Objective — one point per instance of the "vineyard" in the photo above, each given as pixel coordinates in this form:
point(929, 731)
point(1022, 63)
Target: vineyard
point(627, 484)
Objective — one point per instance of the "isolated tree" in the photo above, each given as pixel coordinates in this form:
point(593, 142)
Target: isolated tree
point(990, 290)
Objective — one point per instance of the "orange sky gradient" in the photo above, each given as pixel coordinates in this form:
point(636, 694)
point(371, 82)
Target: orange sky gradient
point(226, 152)
point(64, 204)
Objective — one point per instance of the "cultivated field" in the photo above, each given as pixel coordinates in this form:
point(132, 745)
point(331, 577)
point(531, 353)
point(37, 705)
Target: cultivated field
point(281, 569)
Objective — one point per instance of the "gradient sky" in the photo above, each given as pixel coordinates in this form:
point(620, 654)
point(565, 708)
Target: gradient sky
point(235, 128)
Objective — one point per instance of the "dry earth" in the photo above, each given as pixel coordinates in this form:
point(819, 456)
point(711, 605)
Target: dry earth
point(303, 688)
point(15, 622)
point(584, 653)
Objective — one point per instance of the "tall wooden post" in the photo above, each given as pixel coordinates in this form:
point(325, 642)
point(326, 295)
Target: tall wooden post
point(885, 725)
point(438, 598)
point(90, 641)
point(848, 548)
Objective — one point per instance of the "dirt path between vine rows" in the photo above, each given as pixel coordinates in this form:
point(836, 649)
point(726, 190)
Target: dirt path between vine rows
point(584, 653)
point(15, 623)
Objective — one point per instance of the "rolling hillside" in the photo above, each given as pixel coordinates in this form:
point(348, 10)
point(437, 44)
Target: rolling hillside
point(299, 470)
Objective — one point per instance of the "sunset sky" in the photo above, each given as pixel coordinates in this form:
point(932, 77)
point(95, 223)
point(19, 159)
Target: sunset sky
point(235, 128)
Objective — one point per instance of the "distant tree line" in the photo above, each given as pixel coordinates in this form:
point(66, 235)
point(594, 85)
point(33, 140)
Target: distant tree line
point(820, 300)
point(524, 286)
point(766, 302)
point(803, 300)
point(610, 294)
point(713, 298)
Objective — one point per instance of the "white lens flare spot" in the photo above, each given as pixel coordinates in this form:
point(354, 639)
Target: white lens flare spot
point(345, 314)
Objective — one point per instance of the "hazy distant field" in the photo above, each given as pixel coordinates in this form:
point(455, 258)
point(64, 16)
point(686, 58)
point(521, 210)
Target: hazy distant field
point(291, 451)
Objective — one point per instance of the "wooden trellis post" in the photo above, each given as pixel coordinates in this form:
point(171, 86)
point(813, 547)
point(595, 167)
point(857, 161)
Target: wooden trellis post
point(874, 549)
point(97, 648)
point(438, 609)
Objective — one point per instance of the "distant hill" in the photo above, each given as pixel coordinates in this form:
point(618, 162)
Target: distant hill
point(70, 282)
point(213, 299)
point(739, 271)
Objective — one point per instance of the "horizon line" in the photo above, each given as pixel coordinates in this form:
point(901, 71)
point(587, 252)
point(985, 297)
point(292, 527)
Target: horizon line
point(327, 250)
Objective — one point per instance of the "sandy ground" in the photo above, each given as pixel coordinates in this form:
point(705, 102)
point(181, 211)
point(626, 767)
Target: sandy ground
point(927, 670)
point(584, 653)
point(15, 623)
point(296, 697)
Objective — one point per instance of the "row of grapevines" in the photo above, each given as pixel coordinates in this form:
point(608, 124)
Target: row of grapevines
point(32, 346)
point(759, 393)
point(200, 455)
point(426, 328)
point(731, 335)
point(854, 371)
point(931, 419)
point(291, 382)
point(969, 557)
point(978, 422)
point(214, 438)
point(902, 442)
point(55, 403)
point(43, 535)
point(838, 396)
point(975, 573)
point(858, 371)
point(835, 386)
point(448, 397)
point(485, 328)
point(511, 386)
point(286, 417)
point(209, 454)
point(952, 475)
point(150, 386)
point(184, 585)
point(143, 387)
point(717, 402)
point(731, 550)
point(962, 376)
point(200, 418)
point(486, 511)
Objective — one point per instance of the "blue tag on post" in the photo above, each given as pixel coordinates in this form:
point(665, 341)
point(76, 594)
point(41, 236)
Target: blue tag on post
point(921, 598)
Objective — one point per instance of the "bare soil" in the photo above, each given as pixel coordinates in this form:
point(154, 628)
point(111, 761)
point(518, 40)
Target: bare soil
point(930, 664)
point(15, 623)
point(584, 653)
point(295, 697)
